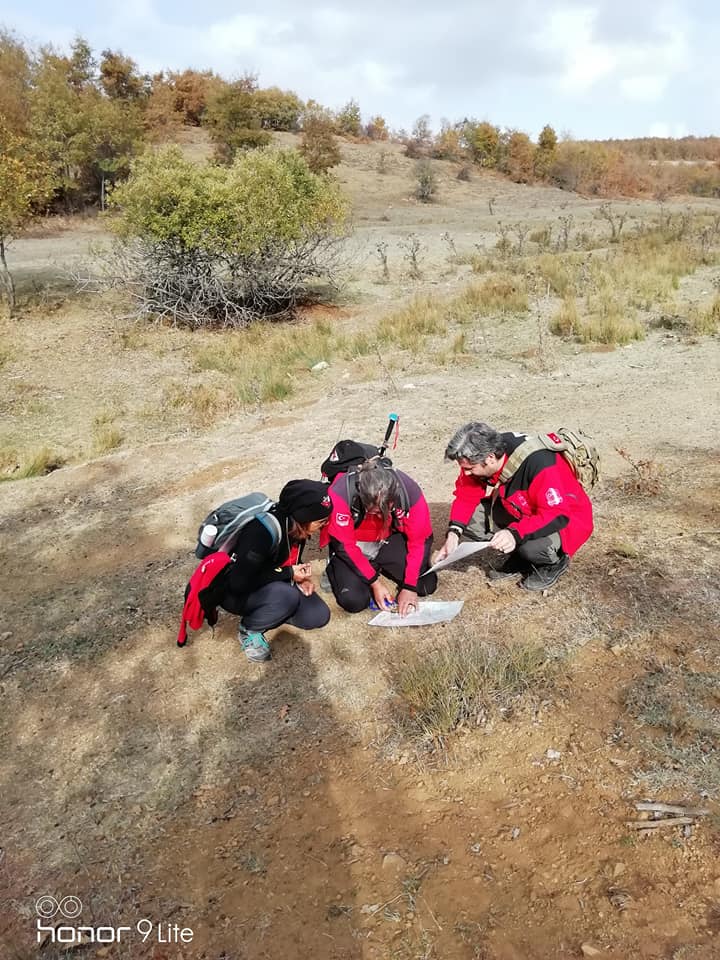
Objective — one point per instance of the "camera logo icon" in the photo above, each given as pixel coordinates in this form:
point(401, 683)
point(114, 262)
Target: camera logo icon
point(47, 907)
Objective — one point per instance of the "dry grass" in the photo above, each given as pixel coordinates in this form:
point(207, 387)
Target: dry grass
point(705, 321)
point(107, 436)
point(680, 706)
point(464, 681)
point(36, 463)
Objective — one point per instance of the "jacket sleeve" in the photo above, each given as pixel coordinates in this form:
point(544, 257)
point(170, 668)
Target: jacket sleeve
point(551, 497)
point(469, 491)
point(418, 527)
point(341, 533)
point(257, 562)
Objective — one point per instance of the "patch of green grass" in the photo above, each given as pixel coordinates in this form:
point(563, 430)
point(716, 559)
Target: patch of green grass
point(465, 679)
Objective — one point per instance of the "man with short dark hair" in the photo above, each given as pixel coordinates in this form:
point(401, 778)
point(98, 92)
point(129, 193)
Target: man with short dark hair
point(538, 516)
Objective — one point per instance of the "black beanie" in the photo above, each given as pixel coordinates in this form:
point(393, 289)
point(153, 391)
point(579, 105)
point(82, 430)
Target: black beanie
point(305, 500)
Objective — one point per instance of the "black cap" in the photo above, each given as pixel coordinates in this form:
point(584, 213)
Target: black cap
point(305, 500)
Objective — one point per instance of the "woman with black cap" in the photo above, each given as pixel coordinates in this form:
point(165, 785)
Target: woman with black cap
point(268, 585)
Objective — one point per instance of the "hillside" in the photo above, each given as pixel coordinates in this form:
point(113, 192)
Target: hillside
point(293, 809)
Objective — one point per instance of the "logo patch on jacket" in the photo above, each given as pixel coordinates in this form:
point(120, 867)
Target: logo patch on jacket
point(553, 497)
point(342, 519)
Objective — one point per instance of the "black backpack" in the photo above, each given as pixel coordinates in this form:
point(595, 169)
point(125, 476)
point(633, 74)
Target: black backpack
point(347, 454)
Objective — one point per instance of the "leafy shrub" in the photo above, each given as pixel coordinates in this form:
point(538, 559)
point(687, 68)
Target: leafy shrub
point(427, 184)
point(207, 245)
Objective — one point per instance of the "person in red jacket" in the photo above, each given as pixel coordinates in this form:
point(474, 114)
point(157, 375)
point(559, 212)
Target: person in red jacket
point(379, 523)
point(538, 517)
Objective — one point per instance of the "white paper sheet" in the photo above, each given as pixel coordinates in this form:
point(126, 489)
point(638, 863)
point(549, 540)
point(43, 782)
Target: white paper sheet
point(428, 612)
point(462, 550)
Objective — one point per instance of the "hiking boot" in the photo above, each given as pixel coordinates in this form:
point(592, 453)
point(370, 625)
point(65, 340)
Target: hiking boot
point(545, 576)
point(513, 566)
point(254, 644)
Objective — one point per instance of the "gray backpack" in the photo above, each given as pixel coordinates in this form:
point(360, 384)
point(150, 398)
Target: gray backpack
point(219, 530)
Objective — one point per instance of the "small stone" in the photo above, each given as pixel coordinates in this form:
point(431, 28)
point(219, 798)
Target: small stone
point(247, 791)
point(393, 863)
point(322, 365)
point(356, 851)
point(515, 833)
point(5, 636)
point(552, 754)
point(618, 869)
point(273, 801)
point(408, 386)
point(588, 950)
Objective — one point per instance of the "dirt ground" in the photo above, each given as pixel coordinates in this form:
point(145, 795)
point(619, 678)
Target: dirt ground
point(276, 810)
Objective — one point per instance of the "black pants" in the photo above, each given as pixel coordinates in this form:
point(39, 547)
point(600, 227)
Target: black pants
point(539, 553)
point(353, 593)
point(278, 603)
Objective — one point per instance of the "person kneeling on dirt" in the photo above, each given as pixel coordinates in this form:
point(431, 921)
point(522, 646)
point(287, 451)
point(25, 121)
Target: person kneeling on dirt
point(541, 514)
point(267, 585)
point(380, 523)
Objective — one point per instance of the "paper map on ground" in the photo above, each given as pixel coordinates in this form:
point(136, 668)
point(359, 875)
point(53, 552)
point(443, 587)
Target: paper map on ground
point(459, 553)
point(428, 612)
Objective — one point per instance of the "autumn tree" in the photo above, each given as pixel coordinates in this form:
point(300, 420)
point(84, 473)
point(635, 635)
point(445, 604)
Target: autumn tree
point(318, 144)
point(25, 184)
point(377, 128)
point(85, 138)
point(15, 82)
point(278, 109)
point(233, 120)
point(447, 144)
point(161, 117)
point(518, 156)
point(482, 141)
point(119, 77)
point(545, 151)
point(193, 90)
point(420, 140)
point(348, 120)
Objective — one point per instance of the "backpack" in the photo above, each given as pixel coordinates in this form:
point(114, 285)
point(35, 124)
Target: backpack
point(576, 447)
point(229, 519)
point(347, 454)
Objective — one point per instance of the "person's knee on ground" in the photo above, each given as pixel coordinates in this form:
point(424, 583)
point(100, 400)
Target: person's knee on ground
point(351, 593)
point(543, 552)
point(312, 614)
point(279, 602)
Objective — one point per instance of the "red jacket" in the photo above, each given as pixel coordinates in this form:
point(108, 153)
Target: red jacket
point(413, 523)
point(543, 496)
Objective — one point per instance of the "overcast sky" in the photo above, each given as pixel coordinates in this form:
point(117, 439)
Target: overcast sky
point(609, 68)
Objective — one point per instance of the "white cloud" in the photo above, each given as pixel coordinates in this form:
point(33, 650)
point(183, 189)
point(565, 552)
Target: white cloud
point(644, 89)
point(661, 128)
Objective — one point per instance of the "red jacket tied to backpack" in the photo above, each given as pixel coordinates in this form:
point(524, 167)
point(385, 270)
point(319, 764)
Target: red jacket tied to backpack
point(543, 496)
point(412, 520)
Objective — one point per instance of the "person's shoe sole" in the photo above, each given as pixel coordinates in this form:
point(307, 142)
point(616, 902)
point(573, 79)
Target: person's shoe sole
point(258, 656)
point(499, 574)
